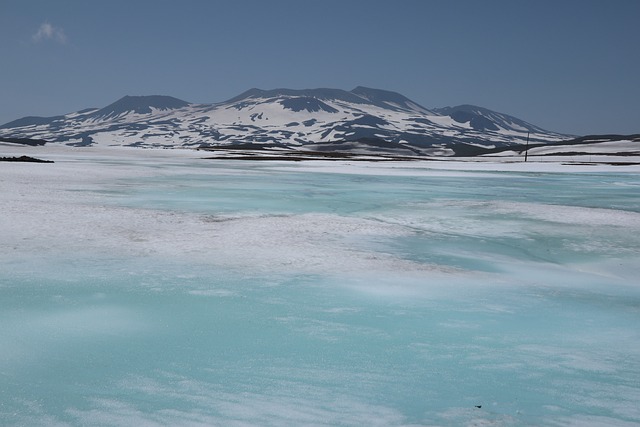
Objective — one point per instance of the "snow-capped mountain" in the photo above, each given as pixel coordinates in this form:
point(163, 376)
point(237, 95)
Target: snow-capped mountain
point(364, 120)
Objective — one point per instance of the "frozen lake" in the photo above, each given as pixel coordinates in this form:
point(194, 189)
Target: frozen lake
point(150, 288)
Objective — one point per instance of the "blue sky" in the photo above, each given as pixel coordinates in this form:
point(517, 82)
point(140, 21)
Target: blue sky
point(565, 65)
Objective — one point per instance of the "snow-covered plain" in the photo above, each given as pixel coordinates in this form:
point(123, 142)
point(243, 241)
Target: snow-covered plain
point(151, 287)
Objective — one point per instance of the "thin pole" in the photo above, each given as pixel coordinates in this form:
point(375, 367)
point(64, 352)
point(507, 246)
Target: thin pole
point(526, 150)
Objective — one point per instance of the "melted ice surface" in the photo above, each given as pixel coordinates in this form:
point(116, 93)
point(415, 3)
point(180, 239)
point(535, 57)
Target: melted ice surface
point(143, 287)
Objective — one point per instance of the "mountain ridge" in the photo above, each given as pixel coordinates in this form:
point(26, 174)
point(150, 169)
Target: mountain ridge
point(293, 118)
point(140, 105)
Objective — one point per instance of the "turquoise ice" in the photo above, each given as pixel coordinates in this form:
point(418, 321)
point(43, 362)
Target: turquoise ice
point(172, 291)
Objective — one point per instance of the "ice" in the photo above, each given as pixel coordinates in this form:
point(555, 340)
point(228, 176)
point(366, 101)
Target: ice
point(152, 287)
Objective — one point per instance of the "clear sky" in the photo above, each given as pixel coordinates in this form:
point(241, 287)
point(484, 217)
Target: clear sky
point(570, 66)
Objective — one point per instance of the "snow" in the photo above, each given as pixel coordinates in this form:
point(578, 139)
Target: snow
point(153, 287)
point(596, 148)
point(517, 127)
point(446, 121)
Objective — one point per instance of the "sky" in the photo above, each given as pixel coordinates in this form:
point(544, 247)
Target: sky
point(570, 66)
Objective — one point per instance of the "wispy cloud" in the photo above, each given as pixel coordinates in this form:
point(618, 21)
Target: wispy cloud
point(49, 32)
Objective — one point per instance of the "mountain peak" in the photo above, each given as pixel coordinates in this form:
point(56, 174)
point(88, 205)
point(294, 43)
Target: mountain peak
point(140, 105)
point(483, 119)
point(387, 98)
point(372, 93)
point(251, 93)
point(360, 95)
point(320, 94)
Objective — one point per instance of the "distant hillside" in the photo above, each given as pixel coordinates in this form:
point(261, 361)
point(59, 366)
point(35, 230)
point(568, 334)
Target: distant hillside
point(23, 141)
point(363, 120)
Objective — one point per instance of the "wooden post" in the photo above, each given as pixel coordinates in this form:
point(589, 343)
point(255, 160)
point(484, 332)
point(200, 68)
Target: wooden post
point(526, 150)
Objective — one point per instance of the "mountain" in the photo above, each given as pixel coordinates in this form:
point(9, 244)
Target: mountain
point(362, 120)
point(139, 105)
point(482, 119)
point(387, 99)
